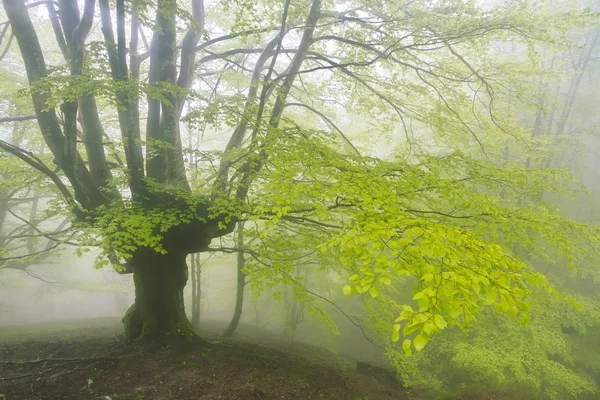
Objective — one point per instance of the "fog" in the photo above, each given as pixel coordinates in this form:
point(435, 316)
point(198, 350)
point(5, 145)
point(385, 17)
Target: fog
point(407, 190)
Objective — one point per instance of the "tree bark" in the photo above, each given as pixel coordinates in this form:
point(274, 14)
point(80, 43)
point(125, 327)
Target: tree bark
point(158, 310)
point(241, 282)
point(196, 290)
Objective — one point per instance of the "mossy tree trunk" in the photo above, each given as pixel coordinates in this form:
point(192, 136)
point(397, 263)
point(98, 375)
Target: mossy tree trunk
point(158, 309)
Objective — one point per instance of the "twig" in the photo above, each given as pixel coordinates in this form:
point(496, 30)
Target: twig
point(40, 360)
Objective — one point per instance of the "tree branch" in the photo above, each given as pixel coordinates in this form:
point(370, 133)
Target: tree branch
point(188, 51)
point(328, 121)
point(36, 163)
point(58, 32)
point(252, 167)
point(86, 192)
point(17, 118)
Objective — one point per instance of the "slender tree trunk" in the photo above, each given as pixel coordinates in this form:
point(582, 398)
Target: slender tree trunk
point(196, 290)
point(295, 316)
point(159, 308)
point(241, 284)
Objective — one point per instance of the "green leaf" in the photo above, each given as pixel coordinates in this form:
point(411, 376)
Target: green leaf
point(490, 296)
point(374, 291)
point(410, 328)
point(348, 290)
point(418, 296)
point(420, 341)
point(439, 321)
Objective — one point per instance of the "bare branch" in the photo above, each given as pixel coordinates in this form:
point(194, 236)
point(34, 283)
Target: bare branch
point(36, 163)
point(16, 118)
point(40, 232)
point(7, 48)
point(328, 121)
point(232, 36)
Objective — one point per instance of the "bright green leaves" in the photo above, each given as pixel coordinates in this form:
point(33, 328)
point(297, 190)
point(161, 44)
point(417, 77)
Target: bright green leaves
point(373, 291)
point(439, 321)
point(436, 223)
point(122, 227)
point(420, 340)
point(406, 346)
point(455, 273)
point(396, 332)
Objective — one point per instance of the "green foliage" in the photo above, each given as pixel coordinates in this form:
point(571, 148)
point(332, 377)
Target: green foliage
point(463, 247)
point(495, 351)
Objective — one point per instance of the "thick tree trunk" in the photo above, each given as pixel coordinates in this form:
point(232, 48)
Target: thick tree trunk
point(158, 310)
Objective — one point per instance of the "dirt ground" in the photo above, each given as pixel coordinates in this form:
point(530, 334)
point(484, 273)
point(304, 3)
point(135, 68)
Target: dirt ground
point(90, 360)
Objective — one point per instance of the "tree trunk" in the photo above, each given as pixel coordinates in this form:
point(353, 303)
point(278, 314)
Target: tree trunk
point(196, 290)
point(158, 309)
point(239, 303)
point(241, 284)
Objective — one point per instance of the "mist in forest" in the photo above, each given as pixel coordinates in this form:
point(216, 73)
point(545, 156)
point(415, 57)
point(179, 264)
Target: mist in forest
point(407, 190)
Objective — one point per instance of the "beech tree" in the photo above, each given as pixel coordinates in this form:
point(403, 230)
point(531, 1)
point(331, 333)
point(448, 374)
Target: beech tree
point(445, 208)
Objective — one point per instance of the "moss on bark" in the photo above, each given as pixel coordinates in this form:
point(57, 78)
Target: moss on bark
point(158, 311)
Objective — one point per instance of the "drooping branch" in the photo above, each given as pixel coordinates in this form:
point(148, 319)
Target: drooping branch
point(328, 121)
point(354, 320)
point(34, 228)
point(36, 163)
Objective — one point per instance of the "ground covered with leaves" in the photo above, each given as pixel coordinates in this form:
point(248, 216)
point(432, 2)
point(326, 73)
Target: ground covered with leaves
point(90, 360)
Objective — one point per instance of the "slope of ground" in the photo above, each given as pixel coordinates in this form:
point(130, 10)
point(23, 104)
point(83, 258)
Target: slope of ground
point(89, 360)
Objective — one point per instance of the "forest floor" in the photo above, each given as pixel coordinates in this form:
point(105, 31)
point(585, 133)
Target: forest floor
point(90, 360)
